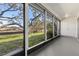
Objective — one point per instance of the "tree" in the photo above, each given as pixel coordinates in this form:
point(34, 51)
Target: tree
point(36, 23)
point(13, 19)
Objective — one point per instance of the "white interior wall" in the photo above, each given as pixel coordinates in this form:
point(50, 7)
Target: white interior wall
point(69, 27)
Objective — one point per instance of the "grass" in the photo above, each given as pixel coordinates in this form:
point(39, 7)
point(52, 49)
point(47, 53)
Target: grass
point(11, 37)
point(10, 42)
point(35, 38)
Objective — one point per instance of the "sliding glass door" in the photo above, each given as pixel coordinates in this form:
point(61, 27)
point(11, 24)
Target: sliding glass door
point(36, 25)
point(49, 22)
point(41, 25)
point(56, 27)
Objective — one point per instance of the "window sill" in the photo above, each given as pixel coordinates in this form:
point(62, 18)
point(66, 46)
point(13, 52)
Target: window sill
point(14, 52)
point(35, 47)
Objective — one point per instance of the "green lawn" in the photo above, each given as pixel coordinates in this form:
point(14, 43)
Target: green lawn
point(35, 38)
point(10, 42)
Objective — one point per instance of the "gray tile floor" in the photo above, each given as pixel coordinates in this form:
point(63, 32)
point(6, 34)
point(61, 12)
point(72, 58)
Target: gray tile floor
point(62, 46)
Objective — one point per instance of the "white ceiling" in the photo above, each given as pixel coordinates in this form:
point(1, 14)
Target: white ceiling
point(63, 10)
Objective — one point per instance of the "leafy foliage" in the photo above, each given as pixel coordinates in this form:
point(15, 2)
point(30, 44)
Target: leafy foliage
point(14, 19)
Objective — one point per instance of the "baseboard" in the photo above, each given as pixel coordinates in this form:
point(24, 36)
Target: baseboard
point(69, 36)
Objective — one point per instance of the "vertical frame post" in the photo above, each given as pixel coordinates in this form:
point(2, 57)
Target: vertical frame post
point(59, 27)
point(53, 26)
point(45, 25)
point(26, 27)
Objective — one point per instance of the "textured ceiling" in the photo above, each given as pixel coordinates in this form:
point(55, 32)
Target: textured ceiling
point(64, 10)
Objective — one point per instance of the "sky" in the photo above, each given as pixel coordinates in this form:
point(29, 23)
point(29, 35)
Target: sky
point(31, 13)
point(8, 14)
point(13, 13)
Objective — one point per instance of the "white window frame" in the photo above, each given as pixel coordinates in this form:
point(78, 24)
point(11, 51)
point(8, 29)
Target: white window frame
point(45, 26)
point(26, 27)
